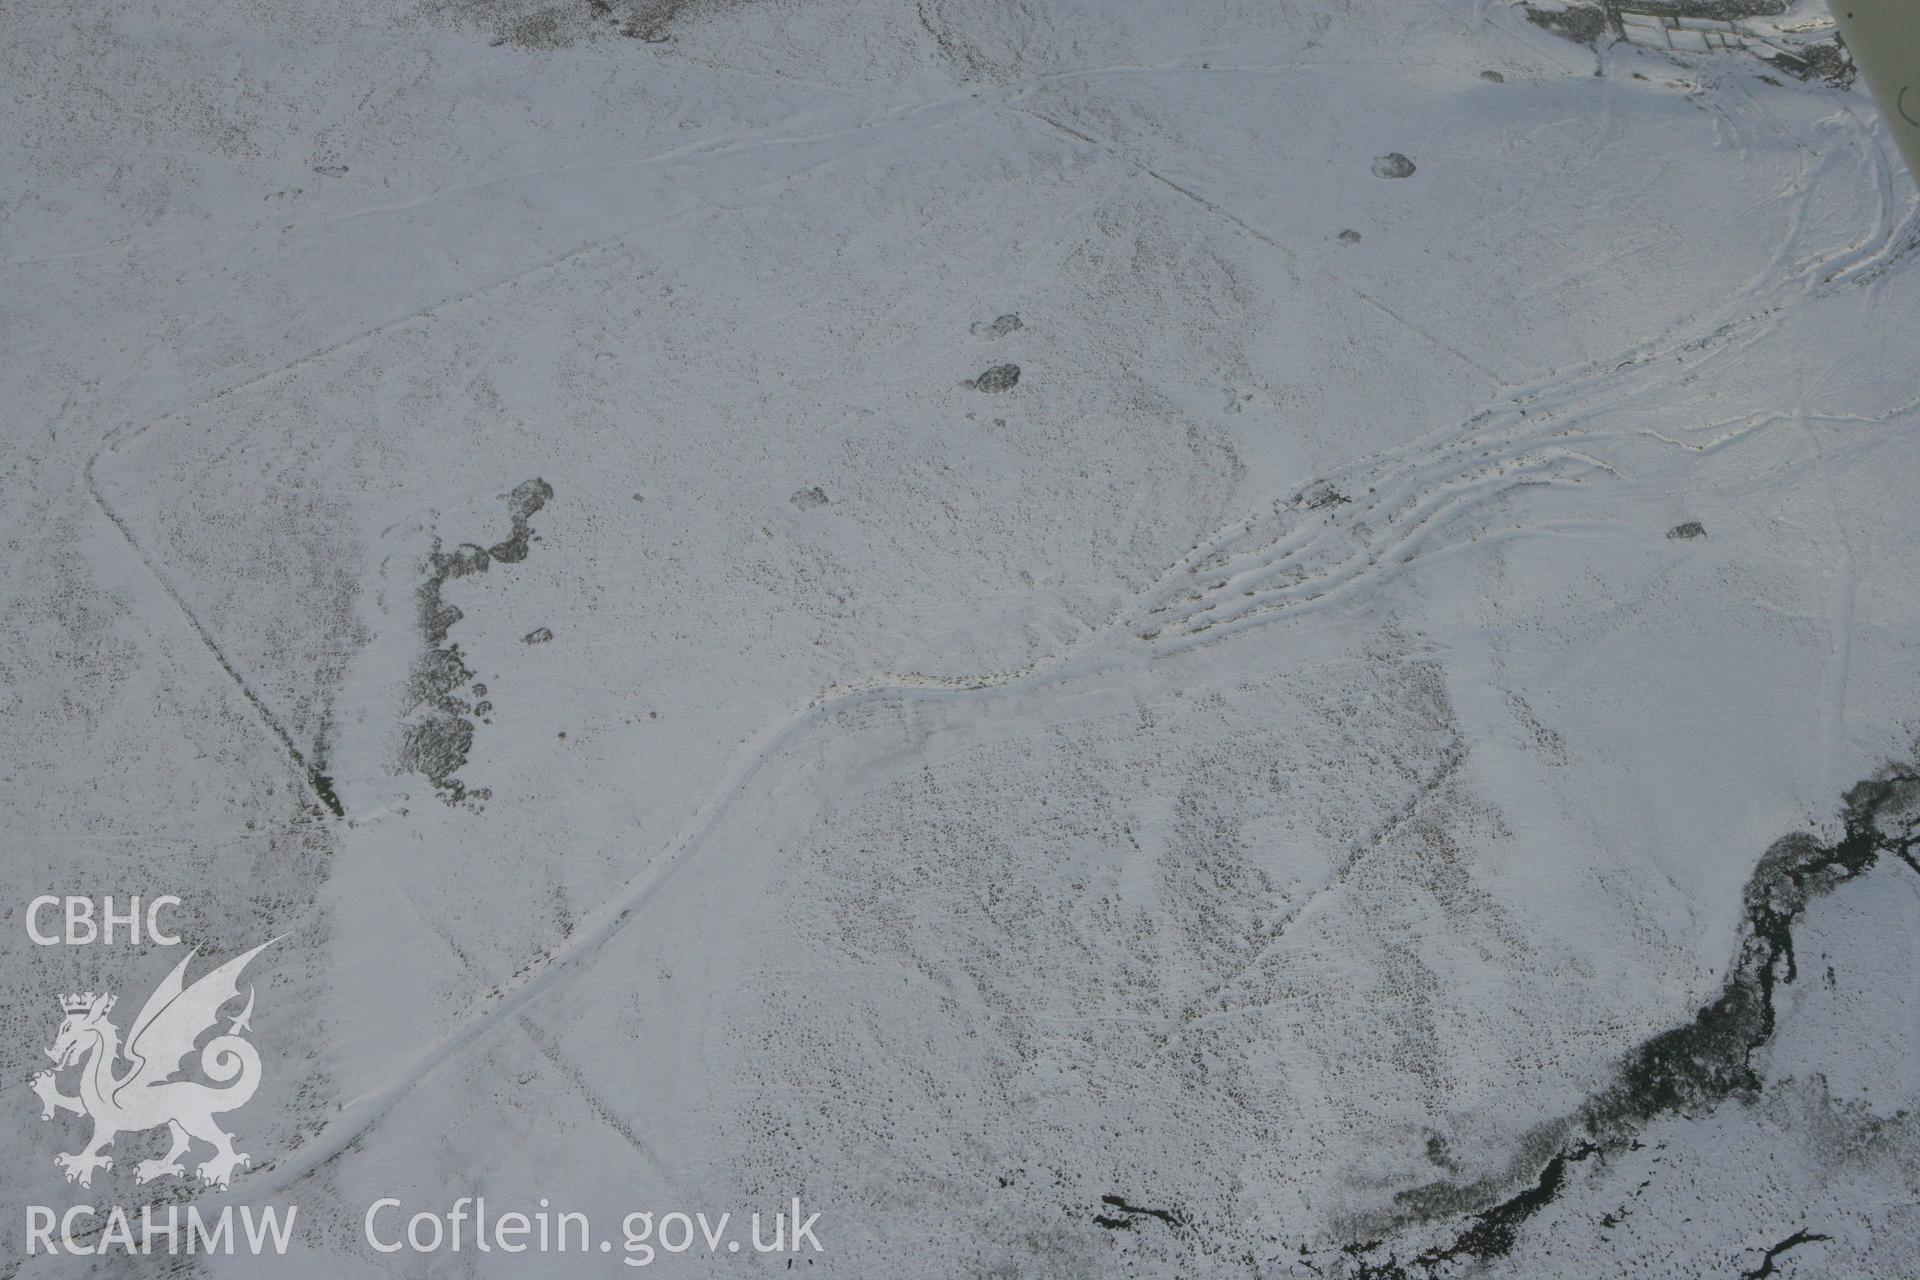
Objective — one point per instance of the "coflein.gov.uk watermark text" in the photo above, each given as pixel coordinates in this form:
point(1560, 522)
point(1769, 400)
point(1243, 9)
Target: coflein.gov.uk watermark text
point(468, 1225)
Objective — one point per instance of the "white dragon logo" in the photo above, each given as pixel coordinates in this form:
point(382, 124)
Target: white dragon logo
point(146, 1096)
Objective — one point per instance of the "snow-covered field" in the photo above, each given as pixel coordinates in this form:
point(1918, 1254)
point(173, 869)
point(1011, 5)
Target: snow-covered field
point(1101, 638)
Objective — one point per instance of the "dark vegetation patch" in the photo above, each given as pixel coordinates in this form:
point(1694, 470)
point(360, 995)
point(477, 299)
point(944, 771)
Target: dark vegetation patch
point(1393, 165)
point(522, 503)
point(1584, 24)
point(1691, 1069)
point(808, 499)
point(543, 25)
point(1118, 1215)
point(1441, 1199)
point(439, 733)
point(1793, 1241)
point(322, 784)
point(1002, 377)
point(998, 327)
point(1828, 60)
point(1691, 529)
point(1495, 1230)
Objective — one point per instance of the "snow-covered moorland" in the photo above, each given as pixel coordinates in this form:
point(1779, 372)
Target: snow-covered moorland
point(1102, 638)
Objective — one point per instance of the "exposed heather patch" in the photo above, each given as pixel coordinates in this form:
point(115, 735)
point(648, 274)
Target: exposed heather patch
point(439, 732)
